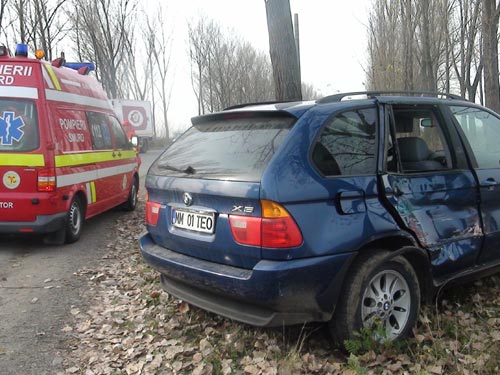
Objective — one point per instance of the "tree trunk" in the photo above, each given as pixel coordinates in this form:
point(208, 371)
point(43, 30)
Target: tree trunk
point(283, 52)
point(490, 54)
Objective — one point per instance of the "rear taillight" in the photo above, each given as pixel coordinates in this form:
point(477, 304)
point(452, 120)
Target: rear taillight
point(46, 180)
point(246, 229)
point(275, 229)
point(152, 213)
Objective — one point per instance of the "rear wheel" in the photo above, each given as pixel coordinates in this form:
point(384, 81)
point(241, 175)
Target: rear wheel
point(74, 221)
point(131, 203)
point(383, 295)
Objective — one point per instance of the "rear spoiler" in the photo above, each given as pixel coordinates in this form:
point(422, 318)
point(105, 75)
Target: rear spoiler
point(220, 116)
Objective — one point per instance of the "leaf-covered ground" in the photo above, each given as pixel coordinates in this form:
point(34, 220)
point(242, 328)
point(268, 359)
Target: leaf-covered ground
point(131, 326)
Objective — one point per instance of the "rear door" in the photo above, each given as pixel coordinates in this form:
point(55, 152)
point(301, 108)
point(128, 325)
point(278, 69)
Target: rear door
point(430, 188)
point(20, 159)
point(481, 132)
point(212, 171)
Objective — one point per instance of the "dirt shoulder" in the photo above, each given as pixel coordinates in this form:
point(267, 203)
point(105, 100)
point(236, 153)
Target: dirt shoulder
point(38, 289)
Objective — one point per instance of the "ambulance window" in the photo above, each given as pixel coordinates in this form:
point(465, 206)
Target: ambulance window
point(120, 136)
point(18, 125)
point(101, 136)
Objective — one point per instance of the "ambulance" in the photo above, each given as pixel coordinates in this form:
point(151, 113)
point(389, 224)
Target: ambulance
point(64, 156)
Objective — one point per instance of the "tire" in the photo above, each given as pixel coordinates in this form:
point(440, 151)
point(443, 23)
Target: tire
point(378, 289)
point(131, 203)
point(74, 221)
point(144, 146)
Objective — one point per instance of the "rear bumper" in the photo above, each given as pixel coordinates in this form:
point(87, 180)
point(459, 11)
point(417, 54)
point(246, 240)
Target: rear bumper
point(273, 293)
point(42, 224)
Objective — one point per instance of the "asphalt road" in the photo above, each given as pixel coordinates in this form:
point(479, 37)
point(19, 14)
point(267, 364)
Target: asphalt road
point(38, 290)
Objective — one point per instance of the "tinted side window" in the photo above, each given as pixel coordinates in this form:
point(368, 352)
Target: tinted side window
point(18, 125)
point(346, 146)
point(101, 135)
point(482, 130)
point(120, 136)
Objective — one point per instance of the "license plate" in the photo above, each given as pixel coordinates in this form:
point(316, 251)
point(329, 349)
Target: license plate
point(196, 221)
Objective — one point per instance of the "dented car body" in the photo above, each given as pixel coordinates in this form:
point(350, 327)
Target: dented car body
point(347, 211)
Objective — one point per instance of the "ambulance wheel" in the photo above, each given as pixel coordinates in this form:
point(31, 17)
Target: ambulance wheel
point(131, 203)
point(74, 221)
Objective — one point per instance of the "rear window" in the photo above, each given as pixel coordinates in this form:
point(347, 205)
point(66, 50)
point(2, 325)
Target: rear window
point(18, 126)
point(234, 149)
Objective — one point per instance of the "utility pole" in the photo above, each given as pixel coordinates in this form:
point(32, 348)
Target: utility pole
point(283, 50)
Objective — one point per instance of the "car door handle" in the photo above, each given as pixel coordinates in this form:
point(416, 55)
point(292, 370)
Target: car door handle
point(490, 181)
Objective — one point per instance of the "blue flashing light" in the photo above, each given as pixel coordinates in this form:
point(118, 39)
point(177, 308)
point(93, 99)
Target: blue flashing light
point(22, 50)
point(79, 65)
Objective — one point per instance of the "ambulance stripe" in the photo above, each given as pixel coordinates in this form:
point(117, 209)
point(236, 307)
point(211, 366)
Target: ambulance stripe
point(53, 76)
point(91, 196)
point(22, 160)
point(46, 77)
point(19, 92)
point(71, 160)
point(92, 188)
point(67, 97)
point(82, 177)
point(89, 193)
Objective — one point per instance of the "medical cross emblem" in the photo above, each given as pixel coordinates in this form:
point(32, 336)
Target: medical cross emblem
point(10, 128)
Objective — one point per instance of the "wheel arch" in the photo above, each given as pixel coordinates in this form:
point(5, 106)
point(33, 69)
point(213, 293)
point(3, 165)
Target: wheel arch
point(395, 245)
point(403, 244)
point(80, 194)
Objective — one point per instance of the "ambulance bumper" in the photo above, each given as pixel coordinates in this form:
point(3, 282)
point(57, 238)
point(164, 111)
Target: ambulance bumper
point(42, 224)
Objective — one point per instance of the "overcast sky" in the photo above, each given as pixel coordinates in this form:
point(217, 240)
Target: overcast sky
point(332, 41)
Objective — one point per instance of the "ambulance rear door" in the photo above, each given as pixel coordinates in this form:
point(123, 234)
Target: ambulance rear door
point(22, 160)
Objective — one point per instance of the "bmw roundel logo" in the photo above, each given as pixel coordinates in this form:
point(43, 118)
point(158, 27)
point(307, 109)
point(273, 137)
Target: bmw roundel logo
point(187, 199)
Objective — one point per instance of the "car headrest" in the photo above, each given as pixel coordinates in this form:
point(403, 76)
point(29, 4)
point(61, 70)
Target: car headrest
point(413, 149)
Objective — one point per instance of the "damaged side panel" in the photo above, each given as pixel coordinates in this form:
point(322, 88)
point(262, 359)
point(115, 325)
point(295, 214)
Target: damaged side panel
point(441, 209)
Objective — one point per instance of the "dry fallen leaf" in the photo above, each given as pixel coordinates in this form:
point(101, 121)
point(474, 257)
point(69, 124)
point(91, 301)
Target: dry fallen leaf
point(155, 294)
point(183, 307)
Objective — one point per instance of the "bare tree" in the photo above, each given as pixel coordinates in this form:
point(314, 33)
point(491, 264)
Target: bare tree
point(159, 43)
point(226, 70)
point(106, 25)
point(39, 23)
point(283, 50)
point(3, 9)
point(385, 47)
point(490, 18)
point(136, 78)
point(46, 20)
point(465, 42)
point(199, 54)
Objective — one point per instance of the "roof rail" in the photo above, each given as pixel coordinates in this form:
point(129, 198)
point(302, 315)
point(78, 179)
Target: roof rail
point(372, 94)
point(243, 105)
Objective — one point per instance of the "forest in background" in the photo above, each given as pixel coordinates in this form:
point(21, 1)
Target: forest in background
point(425, 45)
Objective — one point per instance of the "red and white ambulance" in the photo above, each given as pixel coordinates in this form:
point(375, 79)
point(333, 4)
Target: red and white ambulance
point(64, 156)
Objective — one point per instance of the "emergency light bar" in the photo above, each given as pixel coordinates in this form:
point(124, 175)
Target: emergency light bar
point(79, 65)
point(21, 50)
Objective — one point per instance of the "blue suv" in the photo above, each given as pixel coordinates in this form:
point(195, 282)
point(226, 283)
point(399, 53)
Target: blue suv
point(349, 210)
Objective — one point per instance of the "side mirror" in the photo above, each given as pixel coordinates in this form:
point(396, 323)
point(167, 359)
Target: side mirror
point(134, 140)
point(426, 123)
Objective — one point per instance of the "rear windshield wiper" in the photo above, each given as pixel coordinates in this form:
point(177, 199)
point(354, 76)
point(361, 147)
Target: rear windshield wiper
point(188, 170)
